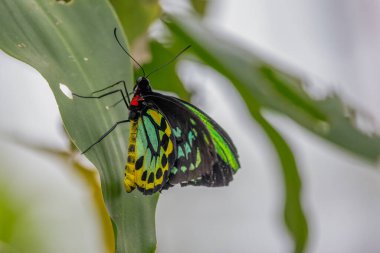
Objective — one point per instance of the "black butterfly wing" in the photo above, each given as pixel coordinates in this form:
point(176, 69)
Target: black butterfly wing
point(227, 162)
point(203, 148)
point(194, 148)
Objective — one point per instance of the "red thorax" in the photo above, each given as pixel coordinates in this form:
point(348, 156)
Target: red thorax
point(135, 100)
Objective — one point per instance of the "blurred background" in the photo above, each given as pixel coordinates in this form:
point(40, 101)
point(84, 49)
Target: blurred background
point(334, 44)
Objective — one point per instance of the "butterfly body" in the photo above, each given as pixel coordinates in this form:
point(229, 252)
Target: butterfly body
point(171, 142)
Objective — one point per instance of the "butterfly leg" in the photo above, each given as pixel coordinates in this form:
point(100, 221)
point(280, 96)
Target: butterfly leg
point(113, 85)
point(105, 134)
point(107, 94)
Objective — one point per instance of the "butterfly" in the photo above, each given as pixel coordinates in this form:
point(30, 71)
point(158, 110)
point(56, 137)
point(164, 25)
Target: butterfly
point(171, 141)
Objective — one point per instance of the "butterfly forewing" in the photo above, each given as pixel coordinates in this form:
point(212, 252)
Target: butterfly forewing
point(154, 151)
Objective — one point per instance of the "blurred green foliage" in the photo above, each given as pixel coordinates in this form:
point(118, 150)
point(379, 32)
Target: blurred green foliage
point(167, 79)
point(145, 13)
point(136, 16)
point(18, 231)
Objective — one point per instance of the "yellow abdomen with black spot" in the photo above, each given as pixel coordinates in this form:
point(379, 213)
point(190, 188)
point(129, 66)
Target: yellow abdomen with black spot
point(129, 175)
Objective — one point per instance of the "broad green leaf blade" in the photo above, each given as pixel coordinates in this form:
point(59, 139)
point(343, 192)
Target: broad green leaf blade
point(72, 43)
point(263, 85)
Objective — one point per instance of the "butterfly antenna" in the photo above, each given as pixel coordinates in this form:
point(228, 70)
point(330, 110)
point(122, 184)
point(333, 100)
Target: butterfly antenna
point(117, 39)
point(166, 64)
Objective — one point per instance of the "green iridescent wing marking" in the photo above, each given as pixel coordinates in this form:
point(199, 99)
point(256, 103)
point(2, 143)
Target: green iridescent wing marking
point(205, 153)
point(227, 162)
point(155, 151)
point(223, 143)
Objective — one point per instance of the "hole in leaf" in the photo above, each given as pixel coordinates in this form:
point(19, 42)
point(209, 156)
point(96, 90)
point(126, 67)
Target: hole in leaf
point(65, 90)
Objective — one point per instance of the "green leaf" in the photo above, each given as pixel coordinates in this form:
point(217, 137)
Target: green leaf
point(263, 85)
point(72, 43)
point(213, 51)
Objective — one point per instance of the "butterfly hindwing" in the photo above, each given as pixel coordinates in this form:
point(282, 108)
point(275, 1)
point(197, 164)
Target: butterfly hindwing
point(195, 150)
point(154, 151)
point(227, 162)
point(223, 143)
point(212, 146)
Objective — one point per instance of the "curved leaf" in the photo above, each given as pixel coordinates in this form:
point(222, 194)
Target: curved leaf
point(71, 42)
point(293, 213)
point(263, 85)
point(229, 60)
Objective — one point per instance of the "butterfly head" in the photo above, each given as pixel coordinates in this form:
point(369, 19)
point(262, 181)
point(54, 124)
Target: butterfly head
point(142, 85)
